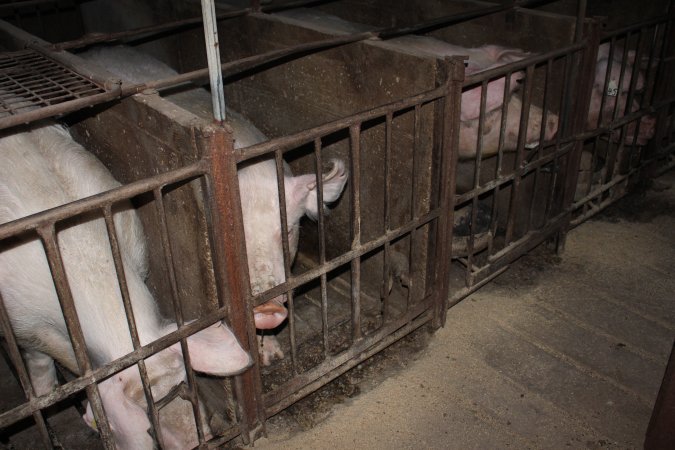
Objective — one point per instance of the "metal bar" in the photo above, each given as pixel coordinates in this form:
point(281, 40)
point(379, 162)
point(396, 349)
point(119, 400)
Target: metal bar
point(318, 166)
point(226, 231)
point(213, 58)
point(131, 322)
point(355, 183)
point(47, 235)
point(454, 69)
point(142, 31)
point(522, 134)
point(386, 269)
point(175, 301)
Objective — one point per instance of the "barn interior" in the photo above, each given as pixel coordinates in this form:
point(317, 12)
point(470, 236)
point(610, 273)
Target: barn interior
point(147, 134)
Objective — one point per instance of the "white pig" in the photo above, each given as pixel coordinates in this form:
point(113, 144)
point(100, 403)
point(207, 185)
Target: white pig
point(468, 130)
point(609, 71)
point(257, 185)
point(43, 168)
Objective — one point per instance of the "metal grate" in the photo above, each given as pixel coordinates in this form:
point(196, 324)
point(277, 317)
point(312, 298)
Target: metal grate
point(29, 81)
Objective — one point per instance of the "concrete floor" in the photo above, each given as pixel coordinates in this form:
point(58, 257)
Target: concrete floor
point(556, 353)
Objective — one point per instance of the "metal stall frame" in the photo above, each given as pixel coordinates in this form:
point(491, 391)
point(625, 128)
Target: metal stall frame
point(560, 155)
point(431, 309)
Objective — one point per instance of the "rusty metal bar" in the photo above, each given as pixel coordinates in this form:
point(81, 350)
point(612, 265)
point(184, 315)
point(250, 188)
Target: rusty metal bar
point(386, 269)
point(318, 165)
point(47, 235)
point(131, 321)
point(175, 302)
point(226, 231)
point(355, 183)
point(98, 38)
point(454, 72)
point(522, 134)
point(414, 214)
point(294, 4)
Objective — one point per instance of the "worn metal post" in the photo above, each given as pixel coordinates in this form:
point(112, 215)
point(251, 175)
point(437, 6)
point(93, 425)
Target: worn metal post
point(226, 229)
point(454, 71)
point(213, 57)
point(581, 105)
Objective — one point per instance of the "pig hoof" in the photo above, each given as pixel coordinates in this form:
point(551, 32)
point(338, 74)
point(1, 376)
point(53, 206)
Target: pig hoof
point(269, 349)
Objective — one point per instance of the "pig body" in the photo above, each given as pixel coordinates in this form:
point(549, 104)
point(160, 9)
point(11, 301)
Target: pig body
point(616, 96)
point(43, 168)
point(257, 185)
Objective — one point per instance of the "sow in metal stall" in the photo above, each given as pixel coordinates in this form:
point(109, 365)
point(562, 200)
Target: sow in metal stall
point(154, 136)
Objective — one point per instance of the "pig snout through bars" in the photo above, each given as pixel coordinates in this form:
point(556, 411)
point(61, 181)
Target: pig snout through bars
point(258, 186)
point(44, 168)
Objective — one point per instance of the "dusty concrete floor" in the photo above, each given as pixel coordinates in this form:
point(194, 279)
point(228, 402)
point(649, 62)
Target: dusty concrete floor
point(556, 353)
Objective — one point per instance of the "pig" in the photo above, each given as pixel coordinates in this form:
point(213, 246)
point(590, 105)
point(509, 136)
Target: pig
point(601, 115)
point(42, 168)
point(468, 130)
point(257, 185)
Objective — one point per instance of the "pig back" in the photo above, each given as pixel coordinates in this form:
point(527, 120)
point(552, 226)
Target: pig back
point(41, 169)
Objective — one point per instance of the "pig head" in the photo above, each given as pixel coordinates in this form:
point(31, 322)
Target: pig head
point(262, 224)
point(608, 72)
point(468, 131)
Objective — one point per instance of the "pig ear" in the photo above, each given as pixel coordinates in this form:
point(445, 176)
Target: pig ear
point(304, 188)
point(216, 351)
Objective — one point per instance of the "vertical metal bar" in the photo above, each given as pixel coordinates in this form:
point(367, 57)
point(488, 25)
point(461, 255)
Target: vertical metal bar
point(131, 322)
point(582, 100)
point(22, 372)
point(355, 157)
point(47, 235)
point(226, 232)
point(283, 219)
point(451, 104)
point(175, 300)
point(318, 164)
point(413, 204)
point(387, 275)
point(213, 57)
point(522, 134)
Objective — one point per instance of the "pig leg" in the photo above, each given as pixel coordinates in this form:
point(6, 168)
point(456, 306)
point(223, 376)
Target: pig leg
point(41, 370)
point(269, 349)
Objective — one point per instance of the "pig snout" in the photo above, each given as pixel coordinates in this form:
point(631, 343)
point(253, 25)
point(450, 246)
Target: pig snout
point(270, 314)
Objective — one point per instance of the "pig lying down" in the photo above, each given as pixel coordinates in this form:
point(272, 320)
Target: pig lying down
point(257, 185)
point(43, 168)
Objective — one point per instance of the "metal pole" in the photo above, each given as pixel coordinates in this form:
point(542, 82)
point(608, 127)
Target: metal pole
point(213, 57)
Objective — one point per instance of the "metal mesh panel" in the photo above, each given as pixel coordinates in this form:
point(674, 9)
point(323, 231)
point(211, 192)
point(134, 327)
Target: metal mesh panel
point(29, 80)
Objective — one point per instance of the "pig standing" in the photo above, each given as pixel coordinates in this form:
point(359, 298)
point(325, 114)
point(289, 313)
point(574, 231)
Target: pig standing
point(257, 185)
point(43, 168)
point(609, 70)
